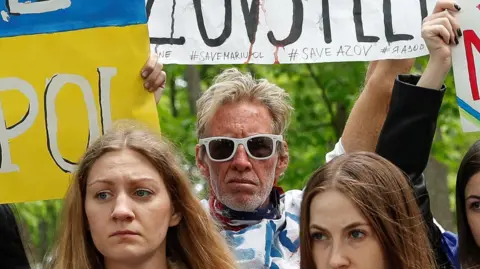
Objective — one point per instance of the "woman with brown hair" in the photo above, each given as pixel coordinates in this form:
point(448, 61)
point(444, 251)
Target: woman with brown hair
point(409, 129)
point(468, 209)
point(359, 211)
point(130, 205)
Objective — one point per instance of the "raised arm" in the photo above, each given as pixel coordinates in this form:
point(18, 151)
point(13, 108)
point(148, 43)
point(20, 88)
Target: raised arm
point(370, 110)
point(440, 31)
point(408, 131)
point(407, 135)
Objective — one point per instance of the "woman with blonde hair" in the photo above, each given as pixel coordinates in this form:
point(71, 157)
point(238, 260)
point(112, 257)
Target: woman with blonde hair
point(130, 205)
point(359, 211)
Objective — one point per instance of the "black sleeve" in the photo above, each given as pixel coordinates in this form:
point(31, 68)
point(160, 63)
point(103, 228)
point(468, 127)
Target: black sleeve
point(407, 135)
point(406, 140)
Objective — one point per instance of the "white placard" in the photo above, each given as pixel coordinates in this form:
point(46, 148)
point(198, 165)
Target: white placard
point(466, 65)
point(286, 31)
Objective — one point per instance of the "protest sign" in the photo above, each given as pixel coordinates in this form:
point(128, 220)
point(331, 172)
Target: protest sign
point(286, 31)
point(69, 68)
point(466, 62)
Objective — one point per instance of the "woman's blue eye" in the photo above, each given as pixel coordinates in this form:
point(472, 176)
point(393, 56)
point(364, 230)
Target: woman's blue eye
point(103, 195)
point(475, 205)
point(318, 236)
point(142, 193)
point(357, 234)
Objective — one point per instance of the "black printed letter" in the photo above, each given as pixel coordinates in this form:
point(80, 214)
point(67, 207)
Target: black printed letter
point(251, 18)
point(387, 20)
point(357, 18)
point(295, 31)
point(424, 9)
point(327, 30)
point(165, 40)
point(227, 30)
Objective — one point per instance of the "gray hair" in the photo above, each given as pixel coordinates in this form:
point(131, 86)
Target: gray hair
point(233, 86)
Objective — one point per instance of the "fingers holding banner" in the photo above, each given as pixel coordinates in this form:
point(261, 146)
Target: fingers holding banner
point(446, 4)
point(155, 79)
point(440, 30)
point(153, 74)
point(447, 19)
point(149, 65)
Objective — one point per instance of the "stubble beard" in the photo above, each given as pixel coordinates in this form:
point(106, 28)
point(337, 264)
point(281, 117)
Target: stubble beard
point(250, 204)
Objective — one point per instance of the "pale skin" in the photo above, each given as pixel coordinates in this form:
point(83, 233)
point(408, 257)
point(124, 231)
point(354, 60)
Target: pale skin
point(242, 183)
point(154, 77)
point(440, 32)
point(129, 211)
point(370, 110)
point(472, 203)
point(341, 236)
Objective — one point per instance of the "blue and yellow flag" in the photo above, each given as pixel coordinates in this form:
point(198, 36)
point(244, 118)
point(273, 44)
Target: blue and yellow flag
point(68, 69)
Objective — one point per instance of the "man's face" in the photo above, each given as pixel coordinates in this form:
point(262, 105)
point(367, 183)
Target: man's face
point(241, 183)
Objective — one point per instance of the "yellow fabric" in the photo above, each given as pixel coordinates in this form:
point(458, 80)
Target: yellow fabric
point(36, 59)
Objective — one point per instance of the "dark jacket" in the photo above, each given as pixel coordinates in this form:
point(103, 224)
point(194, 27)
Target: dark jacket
point(406, 140)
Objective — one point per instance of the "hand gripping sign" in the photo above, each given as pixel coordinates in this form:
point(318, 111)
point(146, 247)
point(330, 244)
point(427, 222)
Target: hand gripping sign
point(69, 68)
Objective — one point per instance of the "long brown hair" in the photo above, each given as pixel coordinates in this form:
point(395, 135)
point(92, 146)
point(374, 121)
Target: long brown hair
point(383, 195)
point(468, 248)
point(195, 242)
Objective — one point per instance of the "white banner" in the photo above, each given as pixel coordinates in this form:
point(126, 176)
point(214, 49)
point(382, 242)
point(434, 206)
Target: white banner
point(466, 65)
point(286, 31)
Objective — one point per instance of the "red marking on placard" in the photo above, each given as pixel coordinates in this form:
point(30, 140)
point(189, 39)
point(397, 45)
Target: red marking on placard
point(275, 54)
point(250, 52)
point(478, 6)
point(472, 40)
point(262, 5)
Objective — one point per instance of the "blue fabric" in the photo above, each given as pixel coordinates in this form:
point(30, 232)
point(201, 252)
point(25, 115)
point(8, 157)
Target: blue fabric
point(271, 242)
point(80, 14)
point(450, 246)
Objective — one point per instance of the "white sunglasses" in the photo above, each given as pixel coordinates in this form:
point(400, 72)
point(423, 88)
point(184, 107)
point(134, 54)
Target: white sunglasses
point(258, 147)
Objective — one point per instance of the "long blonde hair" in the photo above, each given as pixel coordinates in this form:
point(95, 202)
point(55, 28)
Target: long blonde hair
point(195, 242)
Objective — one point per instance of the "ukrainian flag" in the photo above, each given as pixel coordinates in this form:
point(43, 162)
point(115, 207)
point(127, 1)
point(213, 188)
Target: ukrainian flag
point(102, 46)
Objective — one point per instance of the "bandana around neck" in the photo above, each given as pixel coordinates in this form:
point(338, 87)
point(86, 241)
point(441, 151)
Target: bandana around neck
point(236, 220)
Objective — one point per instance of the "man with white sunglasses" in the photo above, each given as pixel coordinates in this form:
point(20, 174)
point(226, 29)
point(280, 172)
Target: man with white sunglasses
point(241, 153)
